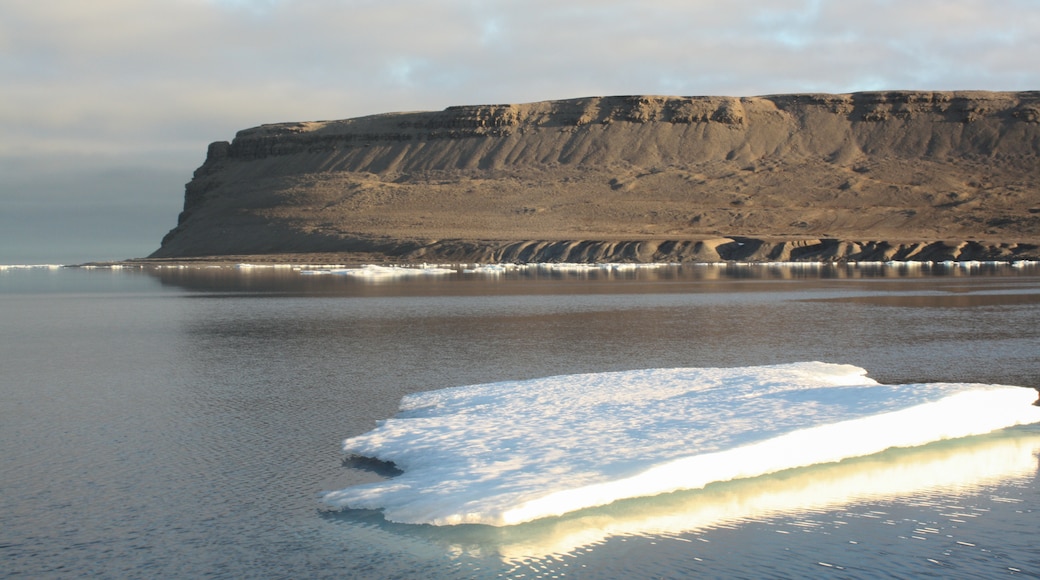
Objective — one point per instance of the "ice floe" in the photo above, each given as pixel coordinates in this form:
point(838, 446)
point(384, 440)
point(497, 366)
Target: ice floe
point(30, 267)
point(938, 472)
point(511, 452)
point(372, 271)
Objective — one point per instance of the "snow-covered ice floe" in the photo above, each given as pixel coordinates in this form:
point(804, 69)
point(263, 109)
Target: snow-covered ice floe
point(373, 271)
point(4, 267)
point(941, 473)
point(512, 452)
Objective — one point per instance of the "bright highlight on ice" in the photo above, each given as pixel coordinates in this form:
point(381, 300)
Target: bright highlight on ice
point(384, 272)
point(511, 452)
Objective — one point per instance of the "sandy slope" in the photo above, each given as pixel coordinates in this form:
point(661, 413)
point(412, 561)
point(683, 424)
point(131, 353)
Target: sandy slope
point(894, 175)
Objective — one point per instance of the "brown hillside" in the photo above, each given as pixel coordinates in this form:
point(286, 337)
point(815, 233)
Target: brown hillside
point(862, 176)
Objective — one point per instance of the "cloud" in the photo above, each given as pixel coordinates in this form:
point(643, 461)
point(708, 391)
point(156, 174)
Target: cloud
point(122, 67)
point(130, 82)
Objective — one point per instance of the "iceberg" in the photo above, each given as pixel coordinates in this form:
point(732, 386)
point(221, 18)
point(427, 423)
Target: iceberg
point(511, 452)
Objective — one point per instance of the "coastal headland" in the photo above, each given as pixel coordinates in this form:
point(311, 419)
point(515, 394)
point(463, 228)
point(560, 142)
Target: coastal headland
point(879, 176)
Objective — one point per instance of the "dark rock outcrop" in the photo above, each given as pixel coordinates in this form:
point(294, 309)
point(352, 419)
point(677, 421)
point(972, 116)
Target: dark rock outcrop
point(865, 176)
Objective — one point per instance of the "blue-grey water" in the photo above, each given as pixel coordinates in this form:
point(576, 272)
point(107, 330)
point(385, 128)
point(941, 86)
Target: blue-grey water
point(181, 422)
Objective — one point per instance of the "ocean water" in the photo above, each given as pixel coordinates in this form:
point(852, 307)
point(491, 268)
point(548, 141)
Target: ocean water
point(184, 422)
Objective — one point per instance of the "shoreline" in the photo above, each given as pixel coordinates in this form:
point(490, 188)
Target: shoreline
point(733, 249)
point(277, 262)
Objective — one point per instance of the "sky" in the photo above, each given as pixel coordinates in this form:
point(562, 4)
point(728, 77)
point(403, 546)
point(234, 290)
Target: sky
point(107, 106)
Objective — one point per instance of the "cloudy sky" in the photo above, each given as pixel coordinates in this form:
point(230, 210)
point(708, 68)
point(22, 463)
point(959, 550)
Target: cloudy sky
point(106, 107)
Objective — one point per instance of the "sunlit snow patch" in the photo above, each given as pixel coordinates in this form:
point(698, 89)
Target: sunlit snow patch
point(374, 272)
point(4, 267)
point(511, 452)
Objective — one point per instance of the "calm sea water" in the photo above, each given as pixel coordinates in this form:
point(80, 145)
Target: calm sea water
point(181, 423)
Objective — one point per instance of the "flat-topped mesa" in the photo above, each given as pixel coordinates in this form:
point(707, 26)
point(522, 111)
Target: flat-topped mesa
point(903, 167)
point(461, 122)
point(503, 120)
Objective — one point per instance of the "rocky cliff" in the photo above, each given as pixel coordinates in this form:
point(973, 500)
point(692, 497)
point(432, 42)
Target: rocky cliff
point(865, 176)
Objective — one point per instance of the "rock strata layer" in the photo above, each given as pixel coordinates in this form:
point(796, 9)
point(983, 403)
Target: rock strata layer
point(864, 176)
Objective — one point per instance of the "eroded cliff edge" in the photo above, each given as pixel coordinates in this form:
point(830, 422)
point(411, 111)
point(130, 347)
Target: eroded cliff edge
point(864, 176)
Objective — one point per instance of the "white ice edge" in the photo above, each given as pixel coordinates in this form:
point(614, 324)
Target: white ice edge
point(508, 453)
point(812, 446)
point(373, 271)
point(409, 270)
point(31, 266)
point(946, 470)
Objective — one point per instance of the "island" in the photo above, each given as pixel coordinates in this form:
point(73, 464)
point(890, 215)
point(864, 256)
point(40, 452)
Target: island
point(872, 176)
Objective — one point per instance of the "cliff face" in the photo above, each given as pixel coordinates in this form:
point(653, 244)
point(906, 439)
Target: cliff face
point(861, 176)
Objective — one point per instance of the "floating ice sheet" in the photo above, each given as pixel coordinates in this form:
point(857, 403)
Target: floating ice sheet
point(373, 271)
point(30, 267)
point(511, 452)
point(943, 473)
